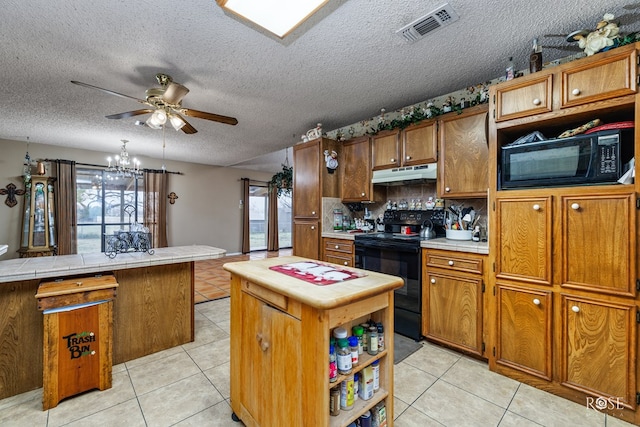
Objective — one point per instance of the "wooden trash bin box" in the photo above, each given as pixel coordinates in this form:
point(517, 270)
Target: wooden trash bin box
point(78, 345)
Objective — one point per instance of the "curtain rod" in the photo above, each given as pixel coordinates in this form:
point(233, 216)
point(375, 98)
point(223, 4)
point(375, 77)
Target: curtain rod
point(104, 167)
point(253, 180)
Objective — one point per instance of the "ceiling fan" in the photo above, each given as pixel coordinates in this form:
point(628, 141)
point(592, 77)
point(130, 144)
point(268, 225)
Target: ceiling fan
point(165, 104)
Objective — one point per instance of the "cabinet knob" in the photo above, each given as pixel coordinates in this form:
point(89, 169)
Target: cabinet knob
point(576, 91)
point(447, 189)
point(536, 101)
point(362, 194)
point(575, 309)
point(392, 160)
point(313, 227)
point(408, 158)
point(536, 207)
point(536, 301)
point(313, 212)
point(575, 206)
point(346, 263)
point(450, 262)
point(337, 247)
point(433, 281)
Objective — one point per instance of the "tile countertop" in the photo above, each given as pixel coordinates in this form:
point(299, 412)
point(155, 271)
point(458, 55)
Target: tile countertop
point(439, 243)
point(13, 270)
point(318, 296)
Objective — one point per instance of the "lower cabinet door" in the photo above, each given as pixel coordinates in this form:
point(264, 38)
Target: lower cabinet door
point(306, 239)
point(524, 330)
point(270, 362)
point(454, 311)
point(599, 341)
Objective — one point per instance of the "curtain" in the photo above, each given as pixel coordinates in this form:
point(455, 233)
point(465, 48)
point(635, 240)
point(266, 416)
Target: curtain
point(65, 206)
point(155, 206)
point(272, 221)
point(246, 245)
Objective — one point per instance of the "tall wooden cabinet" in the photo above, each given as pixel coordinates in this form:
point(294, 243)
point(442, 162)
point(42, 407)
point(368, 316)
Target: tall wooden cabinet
point(564, 260)
point(311, 182)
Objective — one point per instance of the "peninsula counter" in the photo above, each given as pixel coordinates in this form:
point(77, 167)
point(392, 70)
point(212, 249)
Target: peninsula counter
point(153, 309)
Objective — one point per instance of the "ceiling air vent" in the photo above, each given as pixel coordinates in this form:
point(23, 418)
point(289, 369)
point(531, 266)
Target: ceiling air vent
point(437, 18)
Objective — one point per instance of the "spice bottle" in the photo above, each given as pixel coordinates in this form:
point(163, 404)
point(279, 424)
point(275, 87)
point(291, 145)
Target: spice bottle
point(380, 337)
point(344, 357)
point(334, 401)
point(356, 378)
point(353, 347)
point(373, 340)
point(358, 332)
point(376, 375)
point(365, 336)
point(333, 366)
point(346, 393)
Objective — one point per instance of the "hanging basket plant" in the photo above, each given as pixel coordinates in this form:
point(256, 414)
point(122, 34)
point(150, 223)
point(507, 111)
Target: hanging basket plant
point(282, 181)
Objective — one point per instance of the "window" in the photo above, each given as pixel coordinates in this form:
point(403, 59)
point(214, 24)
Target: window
point(258, 217)
point(105, 204)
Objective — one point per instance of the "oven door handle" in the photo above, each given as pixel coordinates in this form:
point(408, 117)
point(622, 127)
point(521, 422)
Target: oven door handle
point(399, 247)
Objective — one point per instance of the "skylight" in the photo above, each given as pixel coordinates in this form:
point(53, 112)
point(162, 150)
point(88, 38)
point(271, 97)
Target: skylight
point(279, 17)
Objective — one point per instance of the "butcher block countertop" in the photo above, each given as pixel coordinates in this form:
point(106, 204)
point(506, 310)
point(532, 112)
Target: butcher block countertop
point(13, 270)
point(318, 296)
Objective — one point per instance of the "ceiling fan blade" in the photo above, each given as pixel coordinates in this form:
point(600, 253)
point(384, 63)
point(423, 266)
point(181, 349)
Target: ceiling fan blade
point(187, 128)
point(209, 116)
point(129, 114)
point(110, 92)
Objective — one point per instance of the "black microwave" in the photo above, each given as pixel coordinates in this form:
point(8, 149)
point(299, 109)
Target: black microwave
point(595, 158)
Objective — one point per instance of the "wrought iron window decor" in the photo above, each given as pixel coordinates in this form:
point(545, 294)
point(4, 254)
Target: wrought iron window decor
point(136, 239)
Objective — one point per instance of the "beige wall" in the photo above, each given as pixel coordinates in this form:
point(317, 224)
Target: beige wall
point(206, 212)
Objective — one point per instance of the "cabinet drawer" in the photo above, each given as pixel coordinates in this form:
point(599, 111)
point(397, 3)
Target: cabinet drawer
point(272, 298)
point(610, 77)
point(455, 262)
point(523, 98)
point(344, 246)
point(338, 258)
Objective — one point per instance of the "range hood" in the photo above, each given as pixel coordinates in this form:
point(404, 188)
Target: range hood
point(406, 174)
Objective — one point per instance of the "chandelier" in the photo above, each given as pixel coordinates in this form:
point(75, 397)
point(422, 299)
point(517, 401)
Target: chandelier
point(122, 166)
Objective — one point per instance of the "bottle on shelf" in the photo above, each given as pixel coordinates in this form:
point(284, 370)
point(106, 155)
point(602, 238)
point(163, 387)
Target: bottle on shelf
point(372, 348)
point(510, 70)
point(344, 357)
point(380, 336)
point(358, 332)
point(353, 347)
point(376, 375)
point(333, 367)
point(535, 59)
point(346, 393)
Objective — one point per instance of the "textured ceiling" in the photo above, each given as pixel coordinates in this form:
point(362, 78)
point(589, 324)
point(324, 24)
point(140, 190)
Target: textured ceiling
point(341, 70)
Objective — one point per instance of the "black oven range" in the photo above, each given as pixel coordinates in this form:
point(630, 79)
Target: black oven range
point(397, 252)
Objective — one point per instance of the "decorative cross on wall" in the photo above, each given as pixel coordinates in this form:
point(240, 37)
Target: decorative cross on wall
point(172, 197)
point(11, 192)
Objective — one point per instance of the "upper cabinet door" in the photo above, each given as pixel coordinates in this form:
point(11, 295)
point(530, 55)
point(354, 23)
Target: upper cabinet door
point(356, 173)
point(463, 166)
point(420, 143)
point(612, 76)
point(599, 238)
point(523, 98)
point(386, 150)
point(306, 186)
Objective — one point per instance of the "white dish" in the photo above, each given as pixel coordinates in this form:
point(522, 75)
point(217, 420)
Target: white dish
point(458, 234)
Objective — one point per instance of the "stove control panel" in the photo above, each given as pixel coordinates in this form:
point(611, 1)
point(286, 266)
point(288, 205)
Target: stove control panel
point(392, 217)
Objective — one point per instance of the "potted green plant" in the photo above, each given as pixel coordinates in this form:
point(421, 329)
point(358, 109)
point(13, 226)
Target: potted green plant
point(283, 180)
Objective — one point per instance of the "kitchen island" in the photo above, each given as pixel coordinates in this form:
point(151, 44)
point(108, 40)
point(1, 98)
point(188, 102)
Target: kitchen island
point(280, 331)
point(153, 309)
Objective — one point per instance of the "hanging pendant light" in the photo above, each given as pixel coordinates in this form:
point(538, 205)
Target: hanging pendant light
point(122, 166)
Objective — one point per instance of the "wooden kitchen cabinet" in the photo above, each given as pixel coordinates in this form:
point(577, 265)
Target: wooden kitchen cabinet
point(356, 173)
point(385, 149)
point(280, 332)
point(564, 260)
point(338, 251)
point(598, 351)
point(311, 182)
point(306, 238)
point(524, 238)
point(463, 154)
point(452, 306)
point(524, 330)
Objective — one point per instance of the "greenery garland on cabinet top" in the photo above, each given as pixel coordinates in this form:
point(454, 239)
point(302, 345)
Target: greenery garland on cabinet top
point(282, 181)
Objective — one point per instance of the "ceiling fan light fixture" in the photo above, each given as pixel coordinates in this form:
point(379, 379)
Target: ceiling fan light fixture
point(176, 121)
point(157, 119)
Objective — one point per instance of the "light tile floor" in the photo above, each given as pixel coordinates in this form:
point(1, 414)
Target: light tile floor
point(189, 386)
